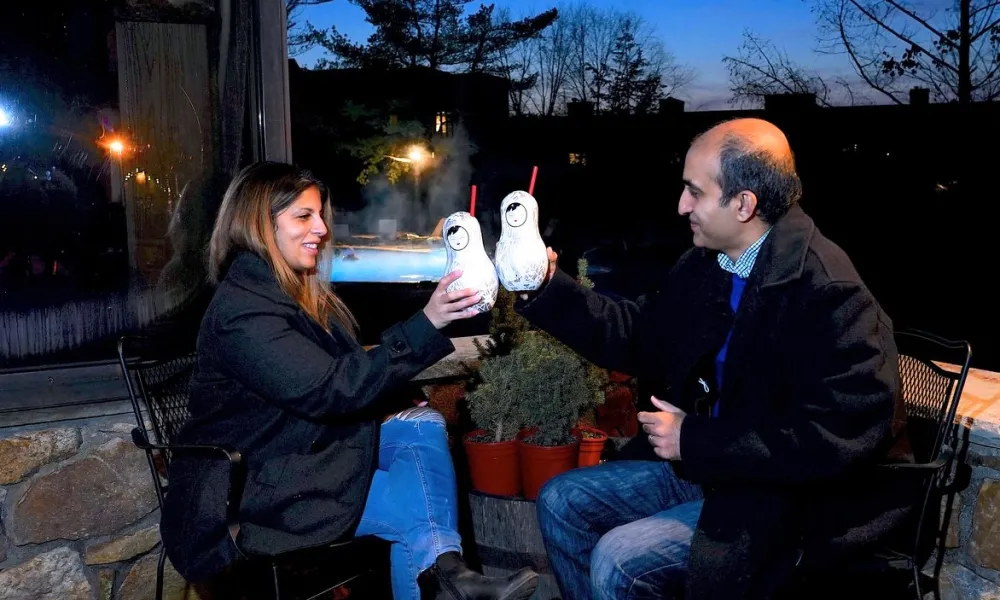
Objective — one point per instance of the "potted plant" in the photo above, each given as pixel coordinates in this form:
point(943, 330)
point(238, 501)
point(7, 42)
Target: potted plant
point(555, 384)
point(529, 377)
point(493, 399)
point(492, 450)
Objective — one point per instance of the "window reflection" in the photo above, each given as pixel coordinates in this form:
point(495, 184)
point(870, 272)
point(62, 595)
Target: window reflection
point(106, 159)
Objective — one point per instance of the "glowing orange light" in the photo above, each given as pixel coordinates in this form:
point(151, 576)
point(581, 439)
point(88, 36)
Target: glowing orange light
point(140, 177)
point(417, 154)
point(117, 146)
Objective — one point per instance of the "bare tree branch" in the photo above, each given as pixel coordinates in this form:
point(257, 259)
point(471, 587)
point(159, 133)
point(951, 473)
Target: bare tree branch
point(301, 38)
point(762, 69)
point(898, 6)
point(985, 7)
point(898, 34)
point(864, 70)
point(575, 58)
point(988, 29)
point(895, 44)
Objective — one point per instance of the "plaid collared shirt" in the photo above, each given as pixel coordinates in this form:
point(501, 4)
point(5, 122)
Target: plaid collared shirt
point(742, 267)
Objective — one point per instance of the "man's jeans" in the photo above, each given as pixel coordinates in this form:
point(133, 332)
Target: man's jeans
point(619, 530)
point(413, 501)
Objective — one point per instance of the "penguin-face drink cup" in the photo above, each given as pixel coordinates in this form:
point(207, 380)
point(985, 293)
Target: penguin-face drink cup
point(463, 243)
point(521, 259)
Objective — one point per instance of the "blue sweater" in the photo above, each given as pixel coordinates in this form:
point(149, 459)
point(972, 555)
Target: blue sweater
point(720, 359)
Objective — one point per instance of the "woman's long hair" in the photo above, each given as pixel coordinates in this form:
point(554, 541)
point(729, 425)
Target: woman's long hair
point(246, 221)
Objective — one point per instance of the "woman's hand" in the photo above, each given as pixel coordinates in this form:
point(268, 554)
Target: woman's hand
point(445, 307)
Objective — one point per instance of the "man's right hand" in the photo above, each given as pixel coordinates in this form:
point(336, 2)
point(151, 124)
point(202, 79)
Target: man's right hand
point(553, 258)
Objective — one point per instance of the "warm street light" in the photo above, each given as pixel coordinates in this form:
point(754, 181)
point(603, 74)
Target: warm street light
point(417, 155)
point(116, 146)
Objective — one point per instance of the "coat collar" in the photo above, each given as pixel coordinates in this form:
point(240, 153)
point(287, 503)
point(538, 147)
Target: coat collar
point(782, 258)
point(253, 274)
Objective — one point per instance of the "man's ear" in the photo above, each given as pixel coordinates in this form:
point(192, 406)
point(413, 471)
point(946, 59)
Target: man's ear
point(746, 206)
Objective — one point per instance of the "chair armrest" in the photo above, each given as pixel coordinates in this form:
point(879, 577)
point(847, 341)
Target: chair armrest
point(946, 455)
point(237, 474)
point(140, 440)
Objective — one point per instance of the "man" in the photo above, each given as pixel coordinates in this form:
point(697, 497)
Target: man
point(774, 388)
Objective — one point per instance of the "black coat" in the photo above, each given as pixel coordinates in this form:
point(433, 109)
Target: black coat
point(301, 404)
point(810, 400)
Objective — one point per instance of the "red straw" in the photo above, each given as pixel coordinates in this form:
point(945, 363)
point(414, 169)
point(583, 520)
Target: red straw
point(534, 174)
point(472, 205)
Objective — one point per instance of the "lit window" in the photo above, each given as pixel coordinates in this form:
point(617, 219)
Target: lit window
point(442, 124)
point(578, 158)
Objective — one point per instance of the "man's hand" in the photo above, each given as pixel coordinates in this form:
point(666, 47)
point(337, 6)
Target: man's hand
point(664, 429)
point(553, 258)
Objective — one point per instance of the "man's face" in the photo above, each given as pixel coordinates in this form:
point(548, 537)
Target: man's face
point(714, 226)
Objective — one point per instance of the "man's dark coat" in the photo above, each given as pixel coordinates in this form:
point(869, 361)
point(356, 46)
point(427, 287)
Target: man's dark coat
point(810, 400)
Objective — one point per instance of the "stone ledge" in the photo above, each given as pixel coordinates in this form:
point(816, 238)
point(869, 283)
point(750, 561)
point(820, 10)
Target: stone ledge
point(454, 364)
point(94, 390)
point(979, 406)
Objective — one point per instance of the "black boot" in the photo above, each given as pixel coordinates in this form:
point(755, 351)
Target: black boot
point(450, 579)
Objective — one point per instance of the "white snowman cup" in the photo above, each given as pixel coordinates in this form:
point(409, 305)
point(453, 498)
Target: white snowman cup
point(521, 259)
point(463, 244)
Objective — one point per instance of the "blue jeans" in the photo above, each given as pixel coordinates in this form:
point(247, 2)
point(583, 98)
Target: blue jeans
point(413, 501)
point(619, 530)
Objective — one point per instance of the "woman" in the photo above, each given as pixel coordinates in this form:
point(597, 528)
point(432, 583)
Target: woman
point(281, 377)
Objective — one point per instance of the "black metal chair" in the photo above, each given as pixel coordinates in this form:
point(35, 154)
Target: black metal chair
point(158, 381)
point(931, 394)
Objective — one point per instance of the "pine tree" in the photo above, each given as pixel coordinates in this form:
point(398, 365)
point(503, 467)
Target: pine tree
point(435, 34)
point(633, 87)
point(507, 327)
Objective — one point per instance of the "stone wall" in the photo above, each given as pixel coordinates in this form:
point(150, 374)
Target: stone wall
point(971, 565)
point(78, 515)
point(78, 512)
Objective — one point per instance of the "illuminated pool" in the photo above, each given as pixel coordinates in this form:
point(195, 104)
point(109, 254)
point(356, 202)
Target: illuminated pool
point(388, 264)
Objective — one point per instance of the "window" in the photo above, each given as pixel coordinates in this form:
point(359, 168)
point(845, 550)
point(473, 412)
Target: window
point(106, 164)
point(442, 125)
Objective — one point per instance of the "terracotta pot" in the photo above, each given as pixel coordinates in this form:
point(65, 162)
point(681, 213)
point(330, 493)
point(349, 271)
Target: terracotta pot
point(618, 377)
point(541, 463)
point(445, 398)
point(618, 414)
point(495, 467)
point(591, 445)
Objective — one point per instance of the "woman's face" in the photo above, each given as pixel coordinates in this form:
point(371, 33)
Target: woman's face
point(300, 230)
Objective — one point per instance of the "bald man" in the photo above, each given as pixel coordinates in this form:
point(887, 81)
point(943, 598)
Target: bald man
point(769, 390)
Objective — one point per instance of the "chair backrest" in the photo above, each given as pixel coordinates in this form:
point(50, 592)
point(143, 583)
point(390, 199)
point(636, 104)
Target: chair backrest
point(158, 379)
point(931, 391)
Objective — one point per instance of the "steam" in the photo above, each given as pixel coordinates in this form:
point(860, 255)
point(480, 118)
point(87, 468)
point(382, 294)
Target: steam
point(444, 186)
